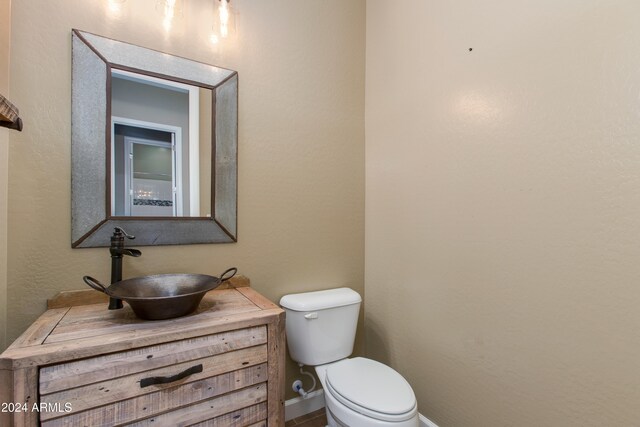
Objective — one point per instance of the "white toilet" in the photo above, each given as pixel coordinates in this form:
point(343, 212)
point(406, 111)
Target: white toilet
point(359, 392)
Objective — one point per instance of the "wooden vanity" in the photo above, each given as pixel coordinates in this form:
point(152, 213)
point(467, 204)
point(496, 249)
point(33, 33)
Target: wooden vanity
point(84, 365)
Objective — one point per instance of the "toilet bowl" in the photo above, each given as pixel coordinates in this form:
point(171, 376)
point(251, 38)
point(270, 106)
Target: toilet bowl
point(358, 392)
point(363, 392)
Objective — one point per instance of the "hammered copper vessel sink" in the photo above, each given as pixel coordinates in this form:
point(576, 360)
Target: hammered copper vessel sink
point(162, 296)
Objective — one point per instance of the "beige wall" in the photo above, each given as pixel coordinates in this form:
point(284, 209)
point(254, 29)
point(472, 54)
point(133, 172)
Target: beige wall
point(502, 208)
point(301, 146)
point(5, 33)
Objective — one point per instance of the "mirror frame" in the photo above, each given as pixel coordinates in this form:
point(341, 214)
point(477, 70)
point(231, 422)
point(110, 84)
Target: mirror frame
point(93, 58)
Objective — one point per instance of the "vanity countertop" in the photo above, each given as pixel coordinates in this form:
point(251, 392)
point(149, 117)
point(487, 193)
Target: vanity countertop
point(66, 334)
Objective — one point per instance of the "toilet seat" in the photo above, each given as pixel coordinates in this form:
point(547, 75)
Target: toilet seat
point(372, 389)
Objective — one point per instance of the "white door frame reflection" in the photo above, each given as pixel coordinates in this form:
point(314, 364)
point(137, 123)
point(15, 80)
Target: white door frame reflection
point(151, 192)
point(189, 146)
point(152, 175)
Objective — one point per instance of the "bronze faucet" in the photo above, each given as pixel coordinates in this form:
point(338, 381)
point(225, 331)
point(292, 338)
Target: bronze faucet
point(117, 251)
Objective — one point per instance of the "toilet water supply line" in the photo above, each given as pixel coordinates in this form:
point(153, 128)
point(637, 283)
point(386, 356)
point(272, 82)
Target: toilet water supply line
point(297, 384)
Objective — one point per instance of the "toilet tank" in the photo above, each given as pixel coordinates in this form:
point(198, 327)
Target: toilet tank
point(321, 326)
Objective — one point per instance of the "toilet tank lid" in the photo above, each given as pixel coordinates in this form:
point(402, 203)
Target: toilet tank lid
point(319, 300)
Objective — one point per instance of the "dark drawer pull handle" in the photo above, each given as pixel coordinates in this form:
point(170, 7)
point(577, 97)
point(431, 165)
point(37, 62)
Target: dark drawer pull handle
point(146, 382)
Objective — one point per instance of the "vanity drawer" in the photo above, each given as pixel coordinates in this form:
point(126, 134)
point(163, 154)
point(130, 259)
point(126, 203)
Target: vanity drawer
point(197, 380)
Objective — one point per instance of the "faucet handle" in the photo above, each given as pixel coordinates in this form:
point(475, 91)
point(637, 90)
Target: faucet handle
point(119, 231)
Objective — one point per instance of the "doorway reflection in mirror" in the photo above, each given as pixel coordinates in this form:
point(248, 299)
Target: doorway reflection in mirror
point(161, 146)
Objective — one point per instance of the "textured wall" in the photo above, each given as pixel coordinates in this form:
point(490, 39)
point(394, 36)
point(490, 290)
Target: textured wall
point(301, 145)
point(5, 33)
point(502, 208)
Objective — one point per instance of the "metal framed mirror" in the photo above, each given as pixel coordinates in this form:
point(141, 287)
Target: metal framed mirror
point(154, 146)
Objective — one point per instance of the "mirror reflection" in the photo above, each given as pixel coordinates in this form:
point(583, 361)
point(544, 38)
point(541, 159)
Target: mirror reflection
point(160, 147)
point(154, 146)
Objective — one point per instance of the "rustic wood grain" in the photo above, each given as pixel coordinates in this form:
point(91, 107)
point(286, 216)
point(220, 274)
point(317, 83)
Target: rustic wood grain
point(251, 416)
point(127, 387)
point(6, 378)
point(154, 404)
point(276, 354)
point(257, 299)
point(101, 368)
point(40, 329)
point(93, 320)
point(25, 385)
point(75, 298)
point(57, 352)
point(209, 409)
point(81, 348)
point(237, 281)
point(8, 112)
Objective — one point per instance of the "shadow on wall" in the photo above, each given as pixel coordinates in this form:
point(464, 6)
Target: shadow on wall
point(376, 343)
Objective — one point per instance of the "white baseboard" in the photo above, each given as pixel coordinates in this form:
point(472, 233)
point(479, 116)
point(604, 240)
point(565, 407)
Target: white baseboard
point(299, 406)
point(425, 422)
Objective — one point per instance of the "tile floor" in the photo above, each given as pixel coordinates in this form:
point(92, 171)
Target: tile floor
point(314, 419)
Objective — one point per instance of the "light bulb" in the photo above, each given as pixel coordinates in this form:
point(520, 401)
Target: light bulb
point(224, 18)
point(224, 21)
point(169, 13)
point(169, 8)
point(114, 7)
